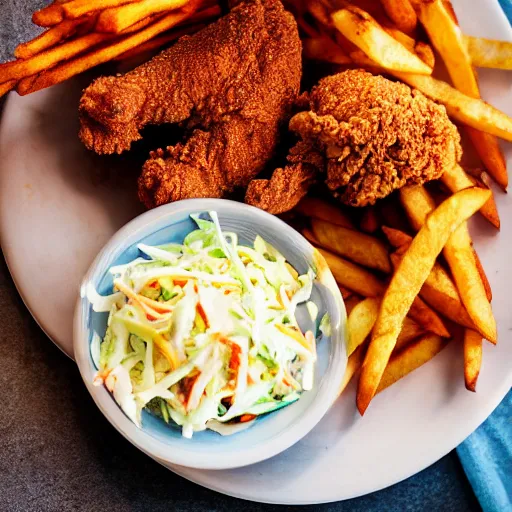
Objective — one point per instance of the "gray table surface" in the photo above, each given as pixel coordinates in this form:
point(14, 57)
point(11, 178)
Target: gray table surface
point(58, 453)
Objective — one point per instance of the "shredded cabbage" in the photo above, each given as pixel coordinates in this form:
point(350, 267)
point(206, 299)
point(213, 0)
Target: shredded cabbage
point(204, 333)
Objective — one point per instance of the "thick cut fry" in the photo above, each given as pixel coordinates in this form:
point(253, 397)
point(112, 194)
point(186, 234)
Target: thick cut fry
point(353, 277)
point(77, 8)
point(487, 53)
point(50, 38)
point(351, 303)
point(396, 237)
point(460, 257)
point(52, 57)
point(402, 13)
point(440, 293)
point(472, 358)
point(117, 19)
point(353, 364)
point(456, 179)
point(425, 53)
point(407, 281)
point(74, 67)
point(358, 247)
point(6, 87)
point(411, 357)
point(48, 16)
point(345, 292)
point(360, 322)
point(325, 49)
point(447, 38)
point(470, 111)
point(410, 331)
point(319, 209)
point(425, 316)
point(363, 31)
point(489, 151)
point(483, 276)
point(370, 222)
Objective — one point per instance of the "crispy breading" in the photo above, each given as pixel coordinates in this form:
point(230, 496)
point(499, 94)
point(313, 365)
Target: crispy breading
point(231, 85)
point(375, 136)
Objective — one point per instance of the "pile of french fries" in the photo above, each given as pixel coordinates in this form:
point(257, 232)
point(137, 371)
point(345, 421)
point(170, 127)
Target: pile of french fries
point(406, 267)
point(81, 34)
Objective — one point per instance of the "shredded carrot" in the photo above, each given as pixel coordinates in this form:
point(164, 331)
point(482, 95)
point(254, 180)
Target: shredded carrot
point(167, 350)
point(294, 333)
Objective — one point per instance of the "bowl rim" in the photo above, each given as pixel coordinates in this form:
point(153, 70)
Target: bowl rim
point(153, 447)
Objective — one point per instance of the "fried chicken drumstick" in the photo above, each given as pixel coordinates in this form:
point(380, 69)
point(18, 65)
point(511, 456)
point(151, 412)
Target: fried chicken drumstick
point(231, 85)
point(365, 136)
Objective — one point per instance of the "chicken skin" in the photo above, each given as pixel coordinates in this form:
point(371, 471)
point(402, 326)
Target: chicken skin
point(231, 86)
point(365, 136)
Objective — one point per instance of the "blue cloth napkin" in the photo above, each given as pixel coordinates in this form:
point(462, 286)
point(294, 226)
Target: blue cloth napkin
point(486, 455)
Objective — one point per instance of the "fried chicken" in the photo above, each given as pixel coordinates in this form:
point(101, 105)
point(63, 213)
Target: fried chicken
point(231, 85)
point(373, 136)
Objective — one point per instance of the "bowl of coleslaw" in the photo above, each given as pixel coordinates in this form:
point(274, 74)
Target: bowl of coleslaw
point(211, 334)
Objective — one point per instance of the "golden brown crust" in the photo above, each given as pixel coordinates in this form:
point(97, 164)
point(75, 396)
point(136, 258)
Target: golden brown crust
point(232, 84)
point(376, 135)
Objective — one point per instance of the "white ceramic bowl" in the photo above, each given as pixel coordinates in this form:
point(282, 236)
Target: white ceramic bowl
point(269, 435)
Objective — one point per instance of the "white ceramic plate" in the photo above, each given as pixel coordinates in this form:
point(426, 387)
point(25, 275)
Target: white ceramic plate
point(59, 204)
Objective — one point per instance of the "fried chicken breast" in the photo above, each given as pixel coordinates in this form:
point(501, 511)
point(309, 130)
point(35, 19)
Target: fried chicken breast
point(231, 86)
point(373, 136)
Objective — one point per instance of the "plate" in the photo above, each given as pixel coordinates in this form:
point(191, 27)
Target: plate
point(59, 204)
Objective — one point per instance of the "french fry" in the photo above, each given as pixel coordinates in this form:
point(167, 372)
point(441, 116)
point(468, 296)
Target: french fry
point(438, 290)
point(345, 292)
point(487, 53)
point(360, 322)
point(51, 57)
point(354, 362)
point(472, 358)
point(470, 111)
point(425, 53)
point(50, 37)
point(407, 281)
point(410, 331)
point(410, 358)
point(6, 87)
point(117, 19)
point(74, 67)
point(325, 49)
point(446, 37)
point(351, 303)
point(459, 255)
point(425, 316)
point(440, 293)
point(489, 151)
point(483, 276)
point(358, 247)
point(396, 237)
point(456, 179)
point(76, 8)
point(363, 31)
point(319, 209)
point(370, 222)
point(402, 13)
point(49, 15)
point(352, 276)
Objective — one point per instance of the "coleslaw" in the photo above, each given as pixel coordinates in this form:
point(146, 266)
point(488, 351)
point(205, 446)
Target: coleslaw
point(204, 333)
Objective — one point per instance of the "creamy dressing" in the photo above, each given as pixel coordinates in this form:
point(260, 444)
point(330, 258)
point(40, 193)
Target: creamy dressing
point(205, 333)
